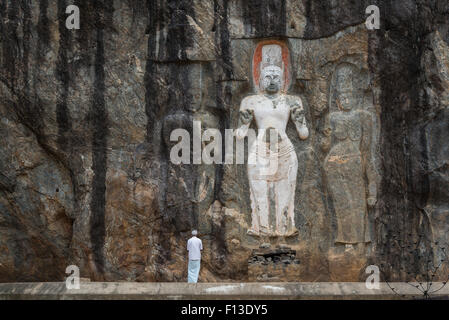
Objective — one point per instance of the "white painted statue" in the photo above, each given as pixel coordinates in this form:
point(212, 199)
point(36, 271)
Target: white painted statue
point(272, 193)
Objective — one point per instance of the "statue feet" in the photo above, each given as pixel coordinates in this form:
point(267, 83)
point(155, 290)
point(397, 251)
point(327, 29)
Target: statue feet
point(252, 232)
point(291, 233)
point(268, 233)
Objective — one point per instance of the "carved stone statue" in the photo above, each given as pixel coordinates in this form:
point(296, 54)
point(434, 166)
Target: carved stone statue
point(272, 193)
point(348, 164)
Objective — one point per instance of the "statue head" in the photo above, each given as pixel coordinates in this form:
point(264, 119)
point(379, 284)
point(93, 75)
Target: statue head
point(345, 87)
point(271, 69)
point(271, 79)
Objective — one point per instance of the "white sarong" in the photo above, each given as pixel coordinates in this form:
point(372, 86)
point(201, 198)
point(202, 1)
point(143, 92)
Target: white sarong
point(193, 270)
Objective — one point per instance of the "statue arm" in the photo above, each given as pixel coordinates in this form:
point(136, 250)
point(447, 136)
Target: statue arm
point(299, 119)
point(366, 146)
point(326, 135)
point(246, 116)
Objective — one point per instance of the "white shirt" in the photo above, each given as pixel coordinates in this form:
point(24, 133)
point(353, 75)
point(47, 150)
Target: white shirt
point(194, 245)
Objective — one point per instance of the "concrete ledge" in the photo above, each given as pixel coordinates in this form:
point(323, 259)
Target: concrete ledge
point(214, 291)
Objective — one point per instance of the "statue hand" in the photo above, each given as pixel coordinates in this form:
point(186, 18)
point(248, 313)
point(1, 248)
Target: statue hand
point(325, 144)
point(325, 139)
point(371, 202)
point(327, 132)
point(297, 114)
point(246, 116)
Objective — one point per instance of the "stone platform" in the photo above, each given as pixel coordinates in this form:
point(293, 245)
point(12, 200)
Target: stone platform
point(214, 291)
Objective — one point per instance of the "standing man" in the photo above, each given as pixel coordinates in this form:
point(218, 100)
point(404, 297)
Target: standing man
point(194, 246)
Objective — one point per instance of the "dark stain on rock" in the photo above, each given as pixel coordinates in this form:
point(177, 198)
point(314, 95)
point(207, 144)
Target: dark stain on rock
point(223, 90)
point(422, 186)
point(99, 122)
point(43, 31)
point(219, 248)
point(219, 168)
point(172, 17)
point(264, 18)
point(86, 38)
point(151, 108)
point(326, 17)
point(395, 57)
point(65, 139)
point(222, 42)
point(27, 105)
point(9, 23)
point(180, 101)
point(63, 71)
point(27, 24)
point(169, 26)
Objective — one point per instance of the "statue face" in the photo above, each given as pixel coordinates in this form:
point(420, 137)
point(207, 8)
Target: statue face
point(345, 91)
point(346, 99)
point(271, 79)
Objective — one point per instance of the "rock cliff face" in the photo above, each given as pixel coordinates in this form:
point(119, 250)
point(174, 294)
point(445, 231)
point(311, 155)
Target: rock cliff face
point(86, 117)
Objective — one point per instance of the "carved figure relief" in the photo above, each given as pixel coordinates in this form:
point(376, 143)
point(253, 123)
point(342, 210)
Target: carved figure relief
point(348, 165)
point(272, 193)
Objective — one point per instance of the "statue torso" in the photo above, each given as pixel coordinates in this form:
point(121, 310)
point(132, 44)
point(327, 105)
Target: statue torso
point(270, 113)
point(346, 136)
point(346, 126)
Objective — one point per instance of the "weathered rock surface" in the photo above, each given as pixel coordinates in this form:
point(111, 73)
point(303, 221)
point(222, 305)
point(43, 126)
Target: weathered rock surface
point(85, 119)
